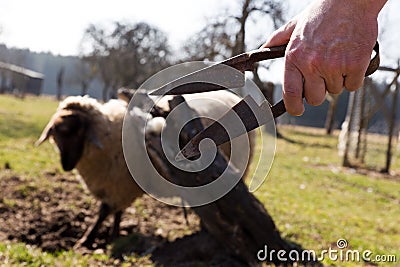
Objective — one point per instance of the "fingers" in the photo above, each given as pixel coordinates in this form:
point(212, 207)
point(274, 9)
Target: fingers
point(314, 89)
point(281, 36)
point(353, 82)
point(293, 90)
point(293, 79)
point(354, 78)
point(334, 83)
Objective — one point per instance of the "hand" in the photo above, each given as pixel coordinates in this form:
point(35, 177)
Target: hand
point(329, 46)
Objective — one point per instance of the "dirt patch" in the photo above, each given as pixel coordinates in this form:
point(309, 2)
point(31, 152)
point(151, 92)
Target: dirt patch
point(54, 216)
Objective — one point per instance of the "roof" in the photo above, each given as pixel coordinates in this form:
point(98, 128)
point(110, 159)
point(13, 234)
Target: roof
point(21, 70)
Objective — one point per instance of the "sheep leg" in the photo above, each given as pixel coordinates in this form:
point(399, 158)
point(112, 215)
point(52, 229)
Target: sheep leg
point(88, 238)
point(117, 222)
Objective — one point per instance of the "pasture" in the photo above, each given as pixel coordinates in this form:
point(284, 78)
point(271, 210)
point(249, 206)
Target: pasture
point(312, 199)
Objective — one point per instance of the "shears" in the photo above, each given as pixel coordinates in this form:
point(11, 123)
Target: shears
point(247, 109)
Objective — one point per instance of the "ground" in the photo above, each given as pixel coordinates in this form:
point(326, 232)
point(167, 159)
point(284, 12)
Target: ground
point(312, 199)
point(54, 220)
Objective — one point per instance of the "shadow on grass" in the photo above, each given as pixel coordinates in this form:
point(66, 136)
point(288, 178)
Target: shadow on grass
point(197, 249)
point(301, 143)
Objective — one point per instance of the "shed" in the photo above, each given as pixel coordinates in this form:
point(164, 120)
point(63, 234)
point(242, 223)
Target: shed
point(22, 80)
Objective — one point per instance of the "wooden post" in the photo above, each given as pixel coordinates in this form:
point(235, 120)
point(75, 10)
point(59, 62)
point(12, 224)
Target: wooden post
point(391, 129)
point(362, 123)
point(349, 119)
point(330, 117)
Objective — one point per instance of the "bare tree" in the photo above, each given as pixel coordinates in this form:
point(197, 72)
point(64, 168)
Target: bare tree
point(84, 75)
point(361, 108)
point(127, 55)
point(225, 36)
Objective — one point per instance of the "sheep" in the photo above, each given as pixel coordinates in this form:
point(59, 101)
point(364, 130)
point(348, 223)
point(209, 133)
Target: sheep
point(210, 104)
point(89, 138)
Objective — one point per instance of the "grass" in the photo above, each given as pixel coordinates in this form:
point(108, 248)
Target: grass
point(315, 202)
point(21, 122)
point(312, 199)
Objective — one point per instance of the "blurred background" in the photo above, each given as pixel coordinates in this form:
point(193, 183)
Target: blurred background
point(94, 47)
point(316, 195)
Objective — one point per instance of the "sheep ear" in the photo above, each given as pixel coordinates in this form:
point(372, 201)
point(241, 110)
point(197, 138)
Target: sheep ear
point(92, 138)
point(47, 132)
point(90, 134)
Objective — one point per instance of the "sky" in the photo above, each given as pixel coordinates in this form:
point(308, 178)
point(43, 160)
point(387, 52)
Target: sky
point(58, 26)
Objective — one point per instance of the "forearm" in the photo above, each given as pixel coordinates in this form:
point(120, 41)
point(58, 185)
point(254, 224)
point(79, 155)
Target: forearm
point(374, 6)
point(371, 7)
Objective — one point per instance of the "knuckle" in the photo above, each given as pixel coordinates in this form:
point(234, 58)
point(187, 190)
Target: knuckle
point(353, 86)
point(336, 89)
point(334, 86)
point(292, 92)
point(353, 83)
point(315, 100)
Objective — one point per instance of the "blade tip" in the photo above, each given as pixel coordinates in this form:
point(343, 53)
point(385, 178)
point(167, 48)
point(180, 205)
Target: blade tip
point(180, 157)
point(189, 151)
point(156, 92)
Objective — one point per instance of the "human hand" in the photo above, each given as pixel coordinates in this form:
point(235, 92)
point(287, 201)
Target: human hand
point(329, 46)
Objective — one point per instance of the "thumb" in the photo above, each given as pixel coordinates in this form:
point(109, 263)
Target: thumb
point(282, 35)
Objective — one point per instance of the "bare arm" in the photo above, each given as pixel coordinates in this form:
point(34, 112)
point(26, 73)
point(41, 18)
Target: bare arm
point(329, 46)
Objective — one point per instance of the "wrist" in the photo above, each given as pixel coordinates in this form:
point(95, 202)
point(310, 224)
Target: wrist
point(371, 6)
point(367, 7)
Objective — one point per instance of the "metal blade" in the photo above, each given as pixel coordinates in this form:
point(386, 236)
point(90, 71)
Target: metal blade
point(213, 78)
point(250, 113)
point(247, 111)
point(220, 76)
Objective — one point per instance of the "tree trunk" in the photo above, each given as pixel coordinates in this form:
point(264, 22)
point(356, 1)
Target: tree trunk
point(105, 92)
point(3, 85)
point(349, 119)
point(84, 88)
point(391, 129)
point(362, 123)
point(60, 81)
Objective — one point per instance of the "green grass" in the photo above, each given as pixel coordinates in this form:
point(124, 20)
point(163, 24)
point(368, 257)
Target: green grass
point(313, 201)
point(21, 123)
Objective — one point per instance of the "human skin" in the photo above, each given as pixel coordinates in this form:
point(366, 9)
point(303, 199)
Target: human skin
point(329, 47)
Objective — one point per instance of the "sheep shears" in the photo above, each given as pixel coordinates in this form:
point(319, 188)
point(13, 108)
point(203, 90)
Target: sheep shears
point(250, 113)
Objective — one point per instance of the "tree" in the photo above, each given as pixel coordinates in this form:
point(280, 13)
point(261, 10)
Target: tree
point(225, 36)
point(84, 75)
point(60, 82)
point(127, 55)
point(353, 136)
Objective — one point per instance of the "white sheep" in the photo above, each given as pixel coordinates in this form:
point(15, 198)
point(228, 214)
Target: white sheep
point(208, 104)
point(89, 138)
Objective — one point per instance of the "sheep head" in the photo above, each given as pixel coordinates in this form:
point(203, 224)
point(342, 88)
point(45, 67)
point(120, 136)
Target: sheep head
point(69, 129)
